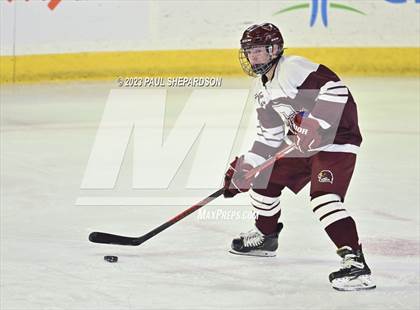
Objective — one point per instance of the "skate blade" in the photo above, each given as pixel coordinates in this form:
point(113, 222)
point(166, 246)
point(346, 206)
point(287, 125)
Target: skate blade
point(360, 283)
point(258, 253)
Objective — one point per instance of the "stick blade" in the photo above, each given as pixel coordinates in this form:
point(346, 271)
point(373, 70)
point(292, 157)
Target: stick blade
point(105, 238)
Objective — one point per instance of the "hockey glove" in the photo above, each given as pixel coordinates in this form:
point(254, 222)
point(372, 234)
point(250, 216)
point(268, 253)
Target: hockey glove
point(307, 132)
point(235, 181)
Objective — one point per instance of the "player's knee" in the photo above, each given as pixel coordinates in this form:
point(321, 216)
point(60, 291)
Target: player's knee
point(328, 208)
point(264, 205)
point(319, 193)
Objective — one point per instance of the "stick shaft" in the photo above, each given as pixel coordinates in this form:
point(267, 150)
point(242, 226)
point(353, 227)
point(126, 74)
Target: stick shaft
point(181, 215)
point(100, 237)
point(106, 238)
point(213, 196)
point(270, 162)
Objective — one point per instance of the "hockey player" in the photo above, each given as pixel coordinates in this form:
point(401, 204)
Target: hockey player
point(320, 115)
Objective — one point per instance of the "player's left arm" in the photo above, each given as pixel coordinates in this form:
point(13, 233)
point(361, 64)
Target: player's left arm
point(318, 126)
point(329, 104)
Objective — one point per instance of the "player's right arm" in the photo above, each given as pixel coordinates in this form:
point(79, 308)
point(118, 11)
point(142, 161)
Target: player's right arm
point(269, 137)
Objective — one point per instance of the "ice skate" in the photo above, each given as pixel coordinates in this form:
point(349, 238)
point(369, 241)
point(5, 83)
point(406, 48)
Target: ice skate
point(255, 243)
point(354, 274)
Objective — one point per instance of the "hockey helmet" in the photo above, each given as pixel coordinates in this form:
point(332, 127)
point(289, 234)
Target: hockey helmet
point(264, 35)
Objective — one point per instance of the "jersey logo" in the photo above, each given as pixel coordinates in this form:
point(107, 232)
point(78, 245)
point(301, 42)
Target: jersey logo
point(259, 97)
point(325, 176)
point(286, 110)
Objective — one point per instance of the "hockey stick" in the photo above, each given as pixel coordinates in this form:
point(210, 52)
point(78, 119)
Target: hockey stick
point(101, 237)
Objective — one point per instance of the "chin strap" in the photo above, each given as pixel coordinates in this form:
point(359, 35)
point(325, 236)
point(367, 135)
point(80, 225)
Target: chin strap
point(264, 68)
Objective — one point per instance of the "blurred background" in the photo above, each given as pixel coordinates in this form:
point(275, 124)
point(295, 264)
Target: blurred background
point(91, 39)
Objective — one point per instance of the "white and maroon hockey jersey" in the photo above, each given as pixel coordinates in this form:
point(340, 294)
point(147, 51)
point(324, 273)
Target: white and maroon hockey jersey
point(301, 85)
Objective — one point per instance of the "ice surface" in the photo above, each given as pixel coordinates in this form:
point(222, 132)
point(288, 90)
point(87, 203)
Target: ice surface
point(47, 132)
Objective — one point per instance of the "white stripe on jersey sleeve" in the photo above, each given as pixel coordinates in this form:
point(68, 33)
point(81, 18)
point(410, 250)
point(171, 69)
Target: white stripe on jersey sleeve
point(275, 133)
point(332, 85)
point(334, 92)
point(322, 123)
point(337, 91)
point(338, 99)
point(270, 142)
point(253, 159)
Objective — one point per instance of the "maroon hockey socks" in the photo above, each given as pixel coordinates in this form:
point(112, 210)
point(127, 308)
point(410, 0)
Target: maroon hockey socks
point(344, 233)
point(267, 224)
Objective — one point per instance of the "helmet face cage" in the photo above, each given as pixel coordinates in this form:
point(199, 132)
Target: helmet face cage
point(264, 35)
point(258, 69)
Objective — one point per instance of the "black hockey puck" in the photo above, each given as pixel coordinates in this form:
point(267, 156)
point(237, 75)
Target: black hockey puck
point(111, 259)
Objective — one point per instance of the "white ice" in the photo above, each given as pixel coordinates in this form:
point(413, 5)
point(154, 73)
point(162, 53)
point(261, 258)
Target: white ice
point(47, 132)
